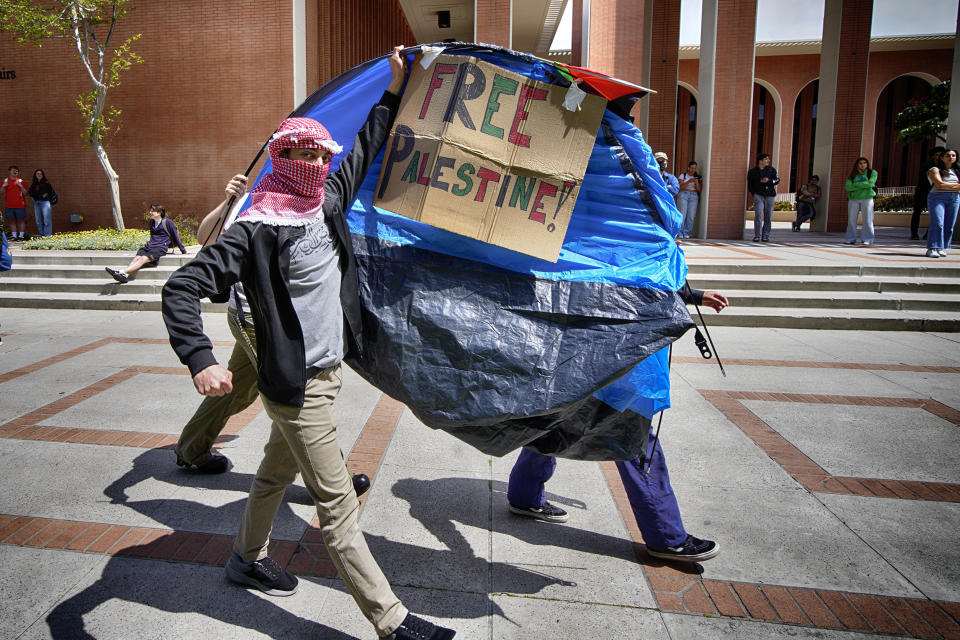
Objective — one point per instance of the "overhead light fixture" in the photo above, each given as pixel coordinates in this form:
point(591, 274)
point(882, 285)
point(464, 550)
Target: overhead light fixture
point(443, 19)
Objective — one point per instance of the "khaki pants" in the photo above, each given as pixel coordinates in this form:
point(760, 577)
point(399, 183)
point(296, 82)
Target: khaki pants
point(305, 440)
point(211, 416)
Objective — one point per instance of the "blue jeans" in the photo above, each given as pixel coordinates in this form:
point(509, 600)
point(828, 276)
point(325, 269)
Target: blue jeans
point(687, 203)
point(41, 211)
point(762, 215)
point(943, 215)
point(853, 209)
point(805, 211)
point(651, 496)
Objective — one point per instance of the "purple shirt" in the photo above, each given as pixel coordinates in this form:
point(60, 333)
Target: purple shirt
point(163, 234)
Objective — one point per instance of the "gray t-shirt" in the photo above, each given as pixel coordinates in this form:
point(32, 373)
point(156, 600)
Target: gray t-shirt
point(945, 176)
point(315, 291)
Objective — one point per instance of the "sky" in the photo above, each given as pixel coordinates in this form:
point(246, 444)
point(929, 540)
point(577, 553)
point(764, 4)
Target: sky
point(803, 20)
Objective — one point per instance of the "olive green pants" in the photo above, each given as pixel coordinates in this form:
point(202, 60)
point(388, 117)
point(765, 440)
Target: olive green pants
point(305, 439)
point(211, 416)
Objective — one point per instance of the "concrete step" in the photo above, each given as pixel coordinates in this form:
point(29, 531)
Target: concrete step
point(85, 272)
point(844, 300)
point(876, 284)
point(89, 286)
point(91, 258)
point(819, 318)
point(118, 302)
point(775, 269)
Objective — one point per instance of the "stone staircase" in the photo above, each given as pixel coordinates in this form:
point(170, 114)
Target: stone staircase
point(882, 297)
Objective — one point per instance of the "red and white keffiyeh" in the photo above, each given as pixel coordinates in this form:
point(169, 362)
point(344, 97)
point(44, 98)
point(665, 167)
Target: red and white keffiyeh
point(292, 195)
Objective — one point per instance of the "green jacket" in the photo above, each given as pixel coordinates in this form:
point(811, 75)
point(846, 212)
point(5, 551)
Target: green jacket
point(862, 187)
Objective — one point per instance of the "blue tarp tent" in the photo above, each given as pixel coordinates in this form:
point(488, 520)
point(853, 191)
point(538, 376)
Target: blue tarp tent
point(505, 350)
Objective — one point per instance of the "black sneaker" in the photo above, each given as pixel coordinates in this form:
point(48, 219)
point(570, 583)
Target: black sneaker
point(756, 239)
point(692, 550)
point(118, 275)
point(361, 483)
point(414, 628)
point(547, 512)
point(265, 575)
point(217, 463)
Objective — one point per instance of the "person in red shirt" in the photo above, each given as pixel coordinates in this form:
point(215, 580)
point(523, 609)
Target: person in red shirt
point(15, 205)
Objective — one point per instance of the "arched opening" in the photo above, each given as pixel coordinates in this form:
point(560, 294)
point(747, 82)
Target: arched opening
point(899, 164)
point(764, 128)
point(686, 127)
point(804, 135)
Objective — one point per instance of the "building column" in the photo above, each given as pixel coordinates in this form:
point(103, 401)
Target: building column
point(493, 22)
point(844, 62)
point(784, 141)
point(608, 37)
point(299, 47)
point(725, 85)
point(953, 124)
point(660, 108)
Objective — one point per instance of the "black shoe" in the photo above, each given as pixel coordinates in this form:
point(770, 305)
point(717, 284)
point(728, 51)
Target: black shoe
point(547, 512)
point(265, 575)
point(796, 227)
point(361, 484)
point(756, 239)
point(765, 239)
point(118, 275)
point(914, 236)
point(414, 628)
point(692, 550)
point(218, 463)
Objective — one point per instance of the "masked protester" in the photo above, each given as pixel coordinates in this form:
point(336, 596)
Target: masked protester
point(291, 251)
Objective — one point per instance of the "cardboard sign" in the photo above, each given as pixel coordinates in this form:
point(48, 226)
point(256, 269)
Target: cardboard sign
point(489, 154)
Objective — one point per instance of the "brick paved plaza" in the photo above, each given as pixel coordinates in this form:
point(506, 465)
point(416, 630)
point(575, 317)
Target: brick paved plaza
point(826, 465)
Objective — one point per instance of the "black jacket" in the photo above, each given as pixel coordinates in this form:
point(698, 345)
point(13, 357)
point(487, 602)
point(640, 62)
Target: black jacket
point(763, 188)
point(258, 256)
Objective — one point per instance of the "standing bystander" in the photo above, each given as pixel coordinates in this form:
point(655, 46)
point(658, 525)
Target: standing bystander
point(861, 190)
point(807, 198)
point(43, 198)
point(921, 190)
point(762, 181)
point(943, 201)
point(689, 197)
point(15, 205)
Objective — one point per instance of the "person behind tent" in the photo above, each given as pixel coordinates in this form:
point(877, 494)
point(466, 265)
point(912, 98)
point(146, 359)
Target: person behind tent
point(645, 479)
point(194, 450)
point(292, 251)
point(163, 234)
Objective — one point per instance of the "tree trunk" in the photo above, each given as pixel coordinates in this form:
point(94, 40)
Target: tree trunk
point(114, 180)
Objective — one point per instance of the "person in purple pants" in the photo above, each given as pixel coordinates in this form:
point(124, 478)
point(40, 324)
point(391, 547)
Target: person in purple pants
point(651, 496)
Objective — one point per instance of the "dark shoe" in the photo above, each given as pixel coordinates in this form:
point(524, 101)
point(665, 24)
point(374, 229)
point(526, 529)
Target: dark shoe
point(265, 575)
point(765, 239)
point(547, 512)
point(692, 550)
point(796, 227)
point(218, 463)
point(756, 239)
point(361, 483)
point(118, 275)
point(845, 242)
point(414, 628)
point(914, 236)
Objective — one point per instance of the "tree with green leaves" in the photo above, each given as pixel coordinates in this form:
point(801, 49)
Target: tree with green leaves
point(89, 26)
point(925, 119)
